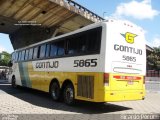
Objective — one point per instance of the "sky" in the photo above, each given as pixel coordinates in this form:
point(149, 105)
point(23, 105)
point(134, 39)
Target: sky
point(144, 13)
point(5, 44)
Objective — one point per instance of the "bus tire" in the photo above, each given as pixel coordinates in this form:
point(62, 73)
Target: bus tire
point(68, 94)
point(55, 91)
point(13, 83)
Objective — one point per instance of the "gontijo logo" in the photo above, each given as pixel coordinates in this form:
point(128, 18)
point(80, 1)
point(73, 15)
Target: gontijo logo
point(129, 37)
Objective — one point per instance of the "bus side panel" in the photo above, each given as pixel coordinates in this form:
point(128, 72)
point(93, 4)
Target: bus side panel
point(24, 75)
point(61, 77)
point(35, 77)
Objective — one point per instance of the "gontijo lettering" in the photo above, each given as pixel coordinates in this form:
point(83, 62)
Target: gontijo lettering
point(128, 49)
point(53, 64)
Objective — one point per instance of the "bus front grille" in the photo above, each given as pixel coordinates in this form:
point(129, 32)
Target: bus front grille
point(85, 86)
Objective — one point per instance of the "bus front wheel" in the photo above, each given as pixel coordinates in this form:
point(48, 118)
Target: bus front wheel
point(68, 94)
point(55, 91)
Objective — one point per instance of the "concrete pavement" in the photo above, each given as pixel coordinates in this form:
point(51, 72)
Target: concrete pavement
point(27, 101)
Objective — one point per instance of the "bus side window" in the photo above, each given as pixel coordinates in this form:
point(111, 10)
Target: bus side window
point(82, 43)
point(53, 50)
point(72, 46)
point(94, 40)
point(42, 51)
point(19, 56)
point(13, 56)
point(27, 55)
point(47, 50)
point(30, 53)
point(60, 46)
point(16, 57)
point(22, 55)
point(36, 53)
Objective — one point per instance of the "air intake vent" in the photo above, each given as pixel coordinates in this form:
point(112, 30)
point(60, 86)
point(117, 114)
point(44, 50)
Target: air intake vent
point(85, 86)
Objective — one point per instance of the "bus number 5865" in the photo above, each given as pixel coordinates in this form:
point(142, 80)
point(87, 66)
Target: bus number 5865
point(129, 58)
point(85, 63)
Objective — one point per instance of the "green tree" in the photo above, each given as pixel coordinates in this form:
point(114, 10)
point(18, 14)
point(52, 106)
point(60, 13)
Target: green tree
point(154, 59)
point(6, 59)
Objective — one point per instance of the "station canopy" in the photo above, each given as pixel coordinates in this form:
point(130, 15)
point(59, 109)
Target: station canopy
point(64, 15)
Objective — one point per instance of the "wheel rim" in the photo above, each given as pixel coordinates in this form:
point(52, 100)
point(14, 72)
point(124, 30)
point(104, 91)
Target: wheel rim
point(55, 92)
point(69, 95)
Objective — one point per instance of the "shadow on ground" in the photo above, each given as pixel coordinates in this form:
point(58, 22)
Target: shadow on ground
point(43, 99)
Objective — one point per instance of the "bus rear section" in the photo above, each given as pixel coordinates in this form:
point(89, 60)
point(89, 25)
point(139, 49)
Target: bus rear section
point(125, 62)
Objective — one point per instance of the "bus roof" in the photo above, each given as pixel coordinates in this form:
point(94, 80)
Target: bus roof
point(64, 35)
point(83, 29)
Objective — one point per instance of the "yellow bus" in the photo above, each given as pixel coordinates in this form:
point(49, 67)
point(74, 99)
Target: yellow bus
point(102, 62)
